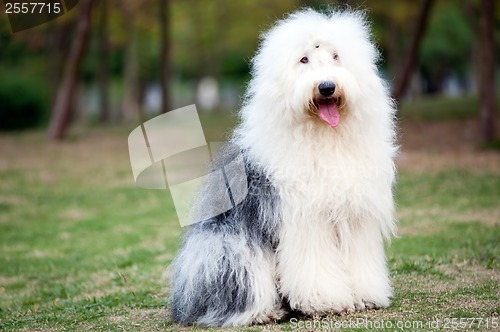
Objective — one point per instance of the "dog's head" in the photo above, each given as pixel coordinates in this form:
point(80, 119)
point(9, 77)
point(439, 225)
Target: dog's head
point(316, 66)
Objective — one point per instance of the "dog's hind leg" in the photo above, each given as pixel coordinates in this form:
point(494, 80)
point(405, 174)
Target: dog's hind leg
point(221, 279)
point(265, 302)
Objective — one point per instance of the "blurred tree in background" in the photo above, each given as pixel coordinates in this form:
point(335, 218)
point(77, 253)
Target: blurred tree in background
point(65, 95)
point(448, 49)
point(144, 57)
point(487, 70)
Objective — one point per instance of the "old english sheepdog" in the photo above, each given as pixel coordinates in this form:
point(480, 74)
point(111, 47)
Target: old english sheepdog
point(318, 140)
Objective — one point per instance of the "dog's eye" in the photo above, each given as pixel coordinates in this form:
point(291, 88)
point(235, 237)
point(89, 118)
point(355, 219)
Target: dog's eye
point(304, 59)
point(335, 56)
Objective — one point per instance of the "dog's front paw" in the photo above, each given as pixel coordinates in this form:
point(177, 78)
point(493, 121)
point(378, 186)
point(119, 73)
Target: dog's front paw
point(347, 310)
point(319, 306)
point(362, 304)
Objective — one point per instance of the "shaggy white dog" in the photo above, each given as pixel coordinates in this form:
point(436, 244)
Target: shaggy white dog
point(317, 136)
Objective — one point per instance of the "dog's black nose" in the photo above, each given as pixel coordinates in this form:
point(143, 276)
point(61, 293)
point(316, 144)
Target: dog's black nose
point(326, 88)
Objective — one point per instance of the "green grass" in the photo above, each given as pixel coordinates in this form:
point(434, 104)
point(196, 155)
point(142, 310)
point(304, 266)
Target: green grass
point(81, 248)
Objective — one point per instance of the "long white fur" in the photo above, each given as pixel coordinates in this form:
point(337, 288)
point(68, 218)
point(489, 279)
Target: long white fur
point(334, 184)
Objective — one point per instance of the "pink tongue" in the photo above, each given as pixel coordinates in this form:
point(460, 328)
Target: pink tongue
point(329, 112)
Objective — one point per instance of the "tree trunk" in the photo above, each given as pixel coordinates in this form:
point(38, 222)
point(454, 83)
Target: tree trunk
point(55, 37)
point(487, 71)
point(103, 76)
point(409, 60)
point(130, 104)
point(165, 54)
point(64, 102)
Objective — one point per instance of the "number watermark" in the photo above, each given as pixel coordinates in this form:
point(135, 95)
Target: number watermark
point(26, 14)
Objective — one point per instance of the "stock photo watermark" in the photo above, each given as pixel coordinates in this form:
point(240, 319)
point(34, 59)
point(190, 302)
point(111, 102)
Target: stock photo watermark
point(328, 324)
point(170, 151)
point(26, 14)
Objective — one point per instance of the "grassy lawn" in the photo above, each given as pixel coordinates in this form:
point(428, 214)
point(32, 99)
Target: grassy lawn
point(81, 248)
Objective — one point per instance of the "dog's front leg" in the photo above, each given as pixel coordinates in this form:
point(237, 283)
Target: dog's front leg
point(368, 267)
point(312, 274)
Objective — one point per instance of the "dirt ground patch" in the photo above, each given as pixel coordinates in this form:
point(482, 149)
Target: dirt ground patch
point(428, 146)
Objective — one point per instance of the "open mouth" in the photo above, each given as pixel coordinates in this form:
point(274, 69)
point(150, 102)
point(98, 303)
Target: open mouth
point(328, 110)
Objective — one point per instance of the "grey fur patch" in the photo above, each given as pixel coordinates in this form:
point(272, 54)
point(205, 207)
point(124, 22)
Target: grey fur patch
point(211, 277)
